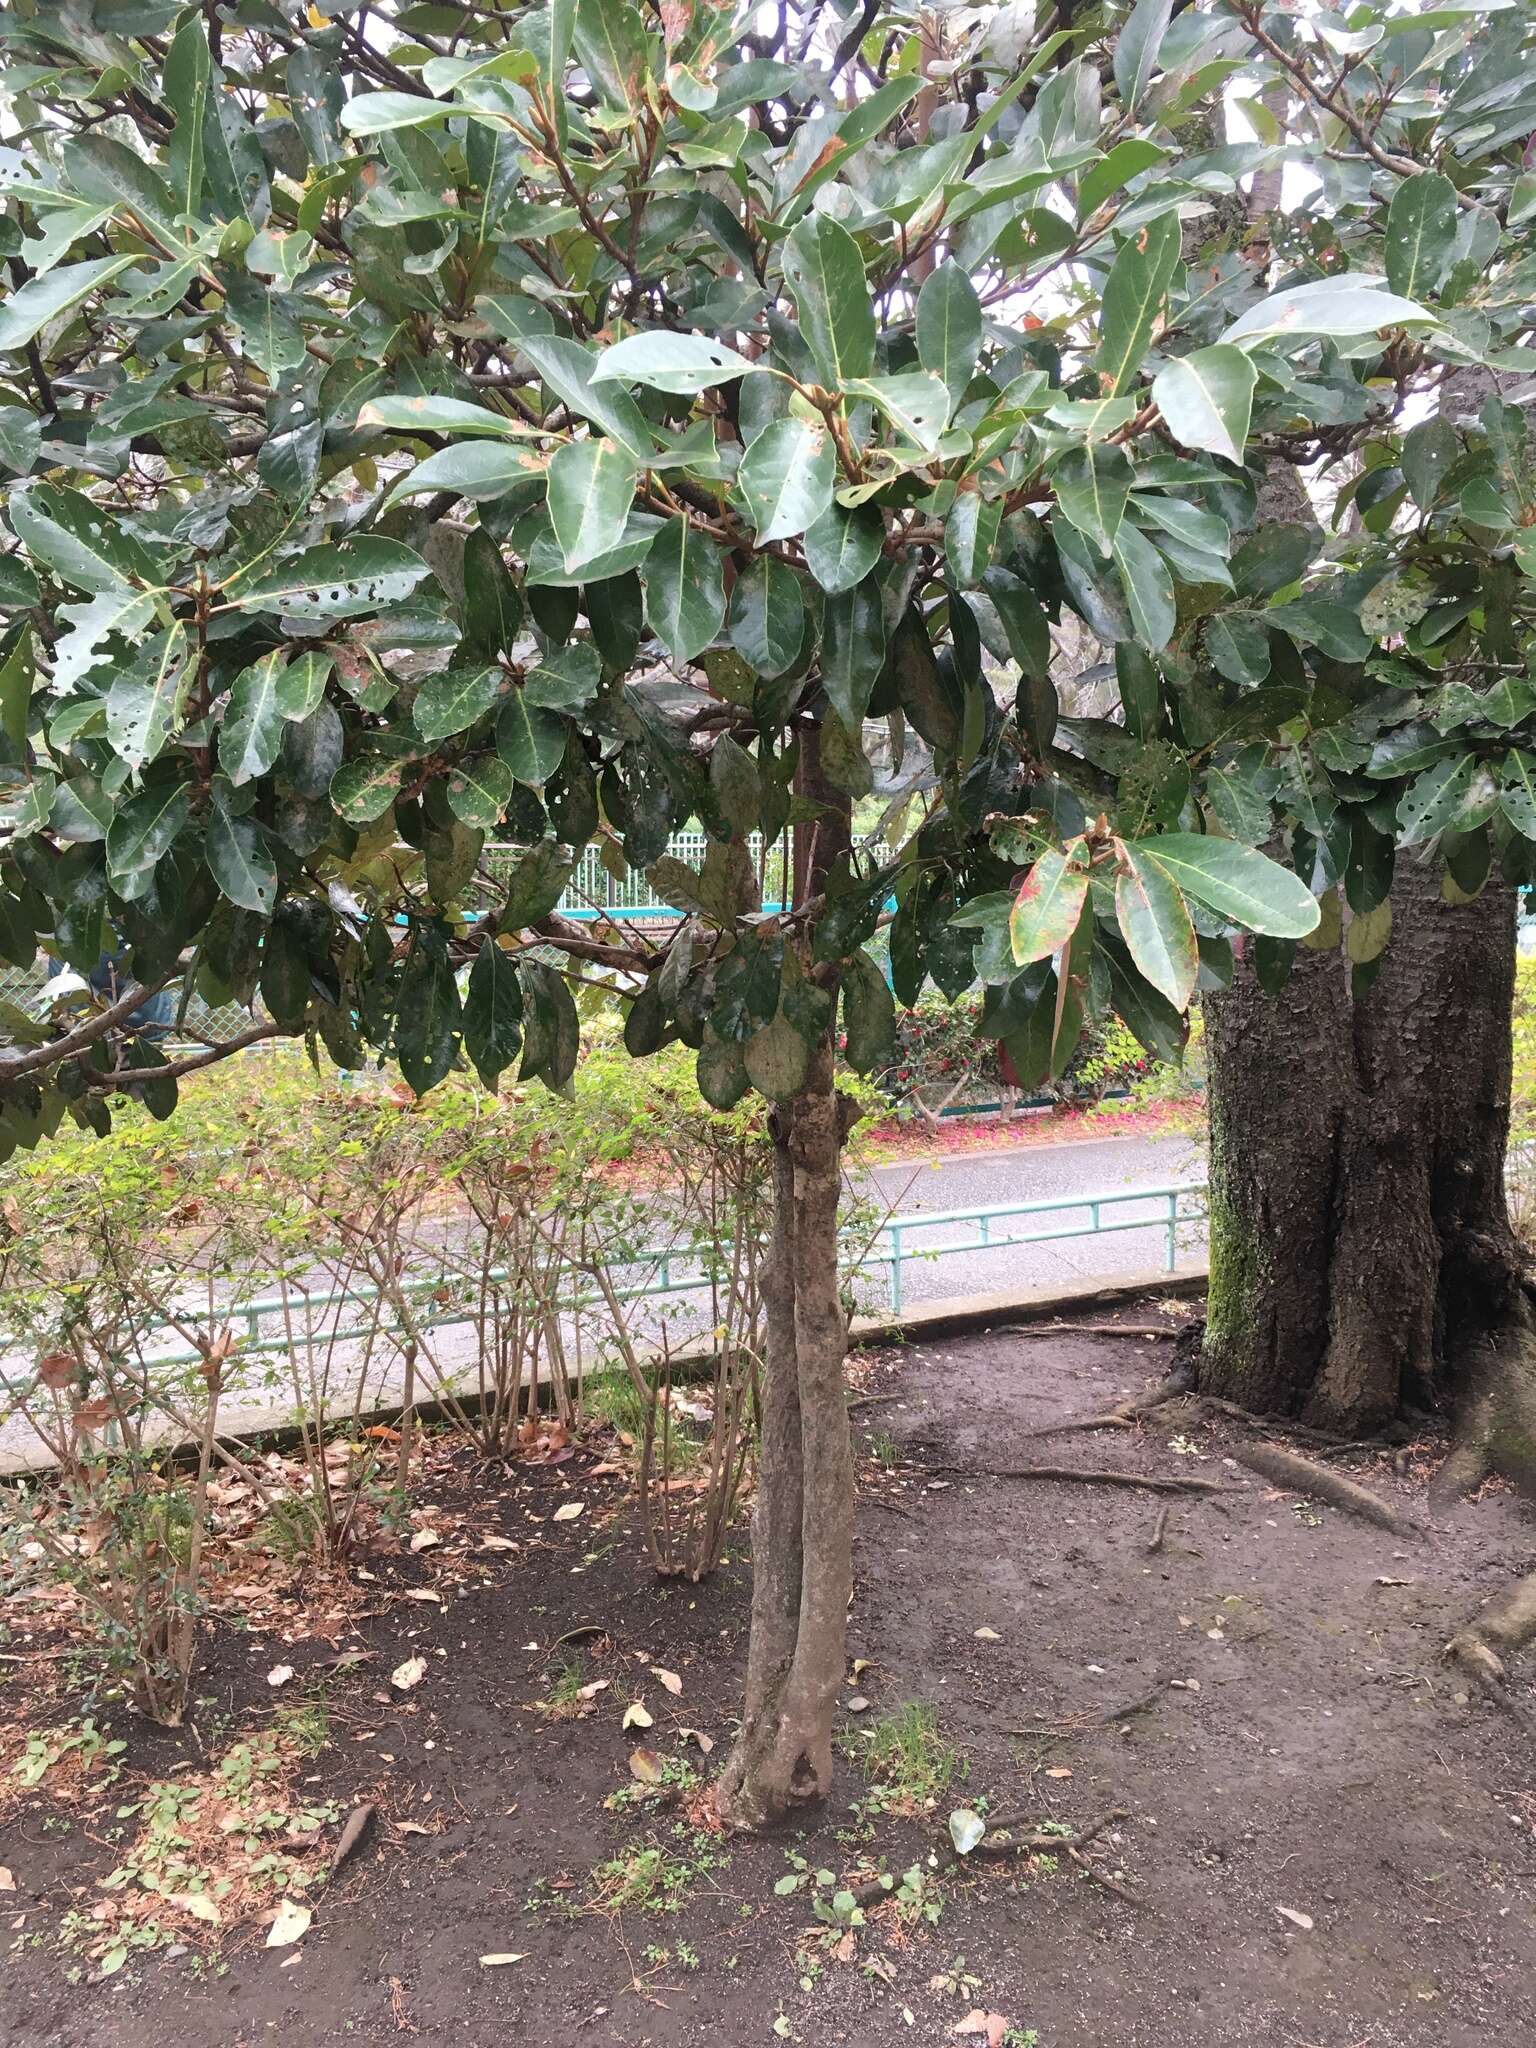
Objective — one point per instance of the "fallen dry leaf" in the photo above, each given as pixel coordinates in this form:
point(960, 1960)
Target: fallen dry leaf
point(1060, 1771)
point(1301, 1920)
point(409, 1674)
point(425, 1539)
point(501, 1959)
point(568, 1511)
point(291, 1924)
point(201, 1907)
point(987, 1635)
point(7, 1882)
point(279, 1674)
point(669, 1679)
point(991, 2026)
point(636, 1716)
point(705, 1742)
point(594, 1686)
point(497, 1543)
point(645, 1765)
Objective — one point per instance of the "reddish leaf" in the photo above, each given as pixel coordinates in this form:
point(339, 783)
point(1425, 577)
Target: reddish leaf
point(1049, 903)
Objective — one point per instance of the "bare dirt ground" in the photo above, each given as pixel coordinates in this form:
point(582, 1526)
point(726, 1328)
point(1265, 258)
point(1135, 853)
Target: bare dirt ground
point(1326, 1842)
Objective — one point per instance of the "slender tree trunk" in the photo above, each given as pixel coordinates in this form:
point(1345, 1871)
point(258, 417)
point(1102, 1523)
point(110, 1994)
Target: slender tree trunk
point(802, 1521)
point(1362, 1260)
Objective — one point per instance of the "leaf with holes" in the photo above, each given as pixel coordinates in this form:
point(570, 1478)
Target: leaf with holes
point(339, 580)
point(682, 364)
point(786, 478)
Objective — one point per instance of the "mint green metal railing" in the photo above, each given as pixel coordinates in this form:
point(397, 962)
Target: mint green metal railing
point(682, 1270)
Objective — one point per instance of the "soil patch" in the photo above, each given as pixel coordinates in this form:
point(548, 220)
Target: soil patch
point(1326, 1840)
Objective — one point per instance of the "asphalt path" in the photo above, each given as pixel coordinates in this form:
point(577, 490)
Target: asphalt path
point(1057, 1172)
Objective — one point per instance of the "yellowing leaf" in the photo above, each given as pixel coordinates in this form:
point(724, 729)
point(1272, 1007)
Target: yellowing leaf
point(636, 1716)
point(669, 1679)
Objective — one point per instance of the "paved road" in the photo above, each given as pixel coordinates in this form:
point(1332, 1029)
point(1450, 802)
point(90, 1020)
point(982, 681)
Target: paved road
point(1039, 1173)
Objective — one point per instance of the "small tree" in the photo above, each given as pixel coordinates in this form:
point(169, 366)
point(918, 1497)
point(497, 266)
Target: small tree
point(569, 422)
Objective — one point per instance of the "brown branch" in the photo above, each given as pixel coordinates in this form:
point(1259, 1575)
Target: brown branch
point(172, 1070)
point(83, 1036)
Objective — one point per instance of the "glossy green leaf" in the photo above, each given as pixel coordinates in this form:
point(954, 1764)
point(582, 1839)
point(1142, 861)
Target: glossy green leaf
point(36, 305)
point(842, 546)
point(684, 590)
point(591, 489)
point(529, 740)
point(1207, 398)
point(869, 1016)
point(470, 469)
point(825, 272)
point(1155, 924)
point(786, 478)
point(1134, 292)
point(455, 699)
point(336, 580)
point(1337, 306)
point(767, 616)
point(1421, 233)
point(1093, 487)
point(1236, 882)
point(916, 404)
point(240, 861)
point(1137, 47)
point(949, 327)
point(252, 727)
point(427, 1016)
point(493, 1013)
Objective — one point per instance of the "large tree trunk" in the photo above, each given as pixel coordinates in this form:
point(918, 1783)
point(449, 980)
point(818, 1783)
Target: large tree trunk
point(1362, 1260)
point(802, 1520)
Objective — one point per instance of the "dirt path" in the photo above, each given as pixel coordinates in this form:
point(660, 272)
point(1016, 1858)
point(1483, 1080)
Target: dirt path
point(1314, 1755)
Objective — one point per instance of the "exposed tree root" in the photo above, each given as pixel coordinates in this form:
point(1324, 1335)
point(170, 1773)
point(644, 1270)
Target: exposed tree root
point(1286, 1468)
point(1087, 1476)
point(1179, 1381)
point(1140, 1331)
point(1505, 1625)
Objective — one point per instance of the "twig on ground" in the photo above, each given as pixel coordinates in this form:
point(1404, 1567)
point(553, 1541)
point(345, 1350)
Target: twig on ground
point(1076, 1724)
point(1155, 1542)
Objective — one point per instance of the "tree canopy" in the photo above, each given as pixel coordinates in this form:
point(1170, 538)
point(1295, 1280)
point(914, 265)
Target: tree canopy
point(554, 424)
